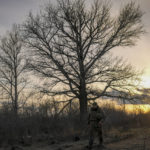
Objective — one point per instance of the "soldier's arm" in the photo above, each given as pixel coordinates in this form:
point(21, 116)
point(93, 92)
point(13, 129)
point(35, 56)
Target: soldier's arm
point(103, 115)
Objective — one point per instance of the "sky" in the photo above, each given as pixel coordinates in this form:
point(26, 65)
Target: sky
point(15, 11)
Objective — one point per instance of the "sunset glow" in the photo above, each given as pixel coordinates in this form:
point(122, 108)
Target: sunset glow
point(138, 108)
point(145, 81)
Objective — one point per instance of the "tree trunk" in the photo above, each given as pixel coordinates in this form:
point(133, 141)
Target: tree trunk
point(83, 109)
point(16, 88)
point(16, 102)
point(83, 103)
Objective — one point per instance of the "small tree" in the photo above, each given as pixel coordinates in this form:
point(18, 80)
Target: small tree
point(71, 43)
point(13, 64)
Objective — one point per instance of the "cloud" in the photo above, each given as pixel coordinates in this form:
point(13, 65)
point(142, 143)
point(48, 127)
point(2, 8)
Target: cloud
point(15, 11)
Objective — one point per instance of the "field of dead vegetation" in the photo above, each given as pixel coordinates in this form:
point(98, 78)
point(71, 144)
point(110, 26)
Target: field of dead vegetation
point(115, 139)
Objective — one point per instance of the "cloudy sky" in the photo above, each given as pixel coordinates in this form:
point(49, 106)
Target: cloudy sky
point(15, 11)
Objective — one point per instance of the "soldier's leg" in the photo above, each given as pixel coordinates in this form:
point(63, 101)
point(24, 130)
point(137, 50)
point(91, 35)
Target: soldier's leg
point(91, 137)
point(100, 135)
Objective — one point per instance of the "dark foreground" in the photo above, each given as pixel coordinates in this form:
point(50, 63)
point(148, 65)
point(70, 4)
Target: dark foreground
point(116, 139)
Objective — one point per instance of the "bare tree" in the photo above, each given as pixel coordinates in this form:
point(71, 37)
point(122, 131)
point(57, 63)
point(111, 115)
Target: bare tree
point(12, 67)
point(71, 42)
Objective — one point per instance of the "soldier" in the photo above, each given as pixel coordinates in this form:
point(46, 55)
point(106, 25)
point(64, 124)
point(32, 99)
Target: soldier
point(95, 120)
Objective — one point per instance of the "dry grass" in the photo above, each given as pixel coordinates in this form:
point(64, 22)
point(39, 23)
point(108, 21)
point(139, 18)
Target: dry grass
point(133, 139)
point(119, 128)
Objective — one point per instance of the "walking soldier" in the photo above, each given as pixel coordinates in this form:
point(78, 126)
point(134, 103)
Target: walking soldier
point(95, 120)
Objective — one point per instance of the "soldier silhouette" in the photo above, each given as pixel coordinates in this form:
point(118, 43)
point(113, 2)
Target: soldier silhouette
point(95, 119)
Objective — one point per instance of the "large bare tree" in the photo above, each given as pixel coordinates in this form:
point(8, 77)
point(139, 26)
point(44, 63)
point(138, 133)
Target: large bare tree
point(71, 43)
point(12, 68)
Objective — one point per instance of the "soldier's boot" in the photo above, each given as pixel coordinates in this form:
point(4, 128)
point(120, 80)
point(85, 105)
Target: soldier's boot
point(88, 147)
point(101, 146)
point(101, 142)
point(90, 144)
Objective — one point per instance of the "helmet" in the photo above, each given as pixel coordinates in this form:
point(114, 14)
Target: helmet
point(94, 104)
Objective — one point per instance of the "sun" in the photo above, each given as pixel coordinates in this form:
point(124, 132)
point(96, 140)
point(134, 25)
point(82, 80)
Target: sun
point(145, 81)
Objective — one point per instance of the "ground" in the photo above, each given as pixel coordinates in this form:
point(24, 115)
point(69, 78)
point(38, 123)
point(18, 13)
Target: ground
point(116, 139)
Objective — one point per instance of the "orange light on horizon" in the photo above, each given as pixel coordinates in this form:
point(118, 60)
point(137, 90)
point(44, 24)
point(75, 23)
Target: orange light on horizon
point(129, 108)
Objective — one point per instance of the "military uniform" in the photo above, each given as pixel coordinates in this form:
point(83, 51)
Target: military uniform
point(95, 119)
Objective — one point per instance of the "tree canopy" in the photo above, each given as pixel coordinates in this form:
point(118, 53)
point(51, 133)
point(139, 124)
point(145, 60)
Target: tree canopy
point(70, 45)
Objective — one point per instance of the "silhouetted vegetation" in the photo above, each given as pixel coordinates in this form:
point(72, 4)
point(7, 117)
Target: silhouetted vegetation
point(51, 127)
